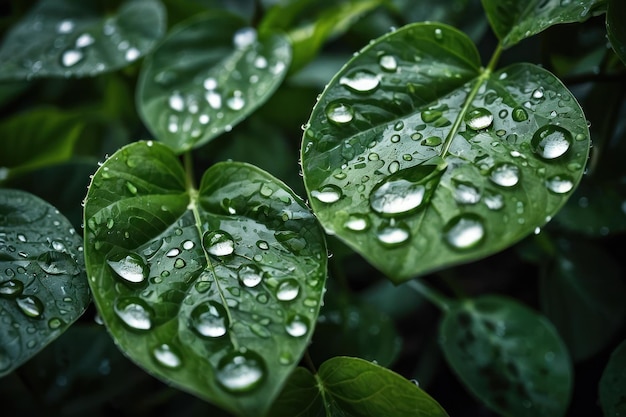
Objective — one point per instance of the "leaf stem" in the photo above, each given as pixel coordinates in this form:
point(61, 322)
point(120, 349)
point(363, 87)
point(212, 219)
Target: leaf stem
point(431, 294)
point(486, 73)
point(189, 179)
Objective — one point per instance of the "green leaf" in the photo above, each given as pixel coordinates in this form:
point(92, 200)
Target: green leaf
point(418, 159)
point(515, 20)
point(300, 397)
point(583, 295)
point(509, 356)
point(363, 389)
point(206, 76)
point(36, 139)
point(216, 290)
point(613, 383)
point(43, 288)
point(61, 38)
point(615, 12)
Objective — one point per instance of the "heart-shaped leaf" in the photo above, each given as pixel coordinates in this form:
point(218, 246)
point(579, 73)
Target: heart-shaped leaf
point(43, 288)
point(207, 75)
point(418, 159)
point(214, 290)
point(613, 383)
point(615, 29)
point(61, 38)
point(514, 20)
point(509, 356)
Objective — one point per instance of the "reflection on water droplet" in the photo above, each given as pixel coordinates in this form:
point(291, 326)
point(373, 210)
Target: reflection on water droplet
point(465, 193)
point(57, 263)
point(54, 323)
point(71, 57)
point(388, 63)
point(479, 119)
point(210, 319)
point(327, 194)
point(172, 253)
point(357, 222)
point(339, 113)
point(30, 305)
point(396, 197)
point(263, 245)
point(464, 231)
point(250, 275)
point(519, 114)
point(65, 26)
point(297, 326)
point(288, 290)
point(236, 101)
point(505, 175)
point(214, 99)
point(240, 372)
point(176, 101)
point(360, 81)
point(244, 37)
point(134, 312)
point(432, 141)
point(130, 267)
point(393, 235)
point(84, 40)
point(493, 201)
point(438, 34)
point(132, 54)
point(11, 288)
point(218, 243)
point(166, 356)
point(550, 141)
point(560, 184)
point(429, 116)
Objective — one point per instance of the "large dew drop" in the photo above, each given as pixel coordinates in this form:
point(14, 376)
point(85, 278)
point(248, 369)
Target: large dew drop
point(560, 184)
point(464, 231)
point(479, 119)
point(210, 319)
point(166, 356)
point(360, 81)
point(357, 222)
point(339, 113)
point(250, 275)
point(57, 263)
point(393, 235)
point(134, 312)
point(396, 197)
point(71, 57)
point(30, 305)
point(218, 243)
point(129, 267)
point(297, 326)
point(466, 193)
point(505, 175)
point(550, 141)
point(288, 290)
point(241, 372)
point(11, 288)
point(327, 194)
point(388, 63)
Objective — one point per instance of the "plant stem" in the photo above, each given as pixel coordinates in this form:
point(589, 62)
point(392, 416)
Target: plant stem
point(189, 179)
point(309, 362)
point(431, 294)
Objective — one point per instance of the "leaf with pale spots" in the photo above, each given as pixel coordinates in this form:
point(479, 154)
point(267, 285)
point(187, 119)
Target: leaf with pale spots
point(43, 288)
point(515, 20)
point(214, 290)
point(509, 356)
point(419, 159)
point(206, 76)
point(64, 38)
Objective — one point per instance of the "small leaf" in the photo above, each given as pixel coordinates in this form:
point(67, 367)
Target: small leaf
point(300, 397)
point(43, 288)
point(508, 356)
point(36, 139)
point(584, 287)
point(362, 389)
point(613, 383)
point(206, 76)
point(61, 38)
point(215, 290)
point(514, 20)
point(417, 159)
point(615, 12)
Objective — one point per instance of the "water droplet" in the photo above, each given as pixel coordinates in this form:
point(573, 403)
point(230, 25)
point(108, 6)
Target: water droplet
point(388, 63)
point(236, 101)
point(240, 372)
point(464, 231)
point(176, 101)
point(263, 245)
point(538, 93)
point(84, 40)
point(493, 201)
point(54, 323)
point(210, 319)
point(172, 253)
point(297, 326)
point(519, 114)
point(327, 194)
point(57, 263)
point(360, 81)
point(550, 141)
point(71, 57)
point(393, 235)
point(179, 263)
point(165, 355)
point(250, 275)
point(244, 37)
point(288, 290)
point(131, 267)
point(188, 245)
point(132, 54)
point(339, 113)
point(134, 312)
point(466, 193)
point(131, 187)
point(210, 83)
point(404, 191)
point(218, 243)
point(260, 62)
point(30, 305)
point(438, 34)
point(479, 119)
point(65, 26)
point(11, 288)
point(214, 99)
point(432, 141)
point(505, 175)
point(560, 184)
point(357, 222)
point(429, 116)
